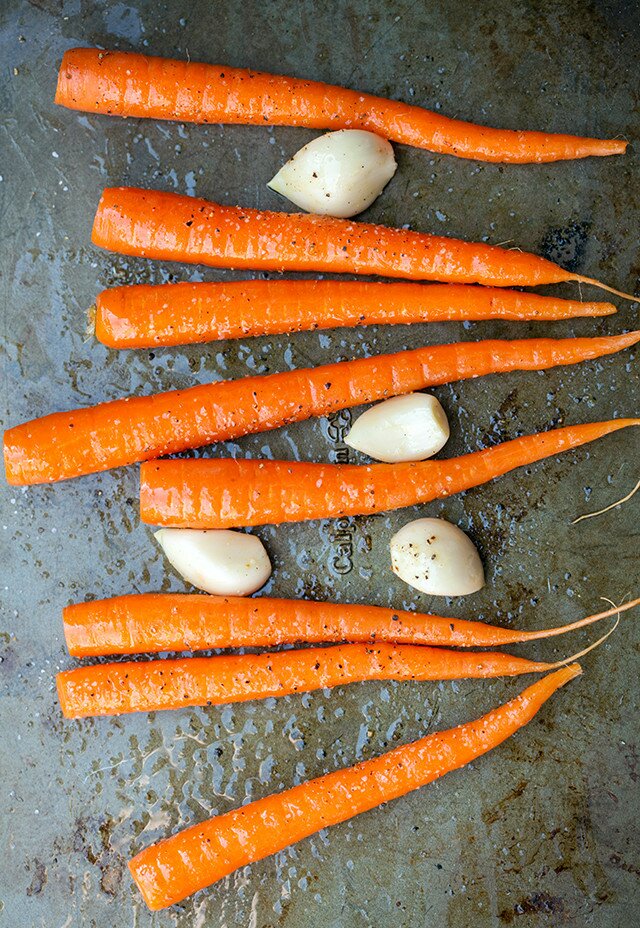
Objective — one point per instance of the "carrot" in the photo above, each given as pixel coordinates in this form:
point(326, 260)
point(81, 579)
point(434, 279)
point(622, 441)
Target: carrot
point(147, 316)
point(171, 227)
point(69, 444)
point(130, 84)
point(198, 856)
point(148, 686)
point(223, 492)
point(154, 622)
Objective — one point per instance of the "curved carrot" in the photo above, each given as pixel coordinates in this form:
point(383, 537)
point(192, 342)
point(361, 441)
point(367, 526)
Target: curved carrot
point(154, 622)
point(147, 316)
point(69, 444)
point(147, 686)
point(198, 856)
point(226, 493)
point(171, 227)
point(130, 84)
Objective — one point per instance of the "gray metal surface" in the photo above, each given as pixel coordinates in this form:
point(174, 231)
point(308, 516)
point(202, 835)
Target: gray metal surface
point(544, 831)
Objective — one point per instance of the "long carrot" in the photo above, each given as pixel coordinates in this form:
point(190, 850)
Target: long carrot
point(171, 227)
point(223, 492)
point(155, 622)
point(147, 316)
point(130, 84)
point(69, 444)
point(147, 686)
point(196, 857)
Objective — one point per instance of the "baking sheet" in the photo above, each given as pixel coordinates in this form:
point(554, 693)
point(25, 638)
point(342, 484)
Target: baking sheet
point(545, 830)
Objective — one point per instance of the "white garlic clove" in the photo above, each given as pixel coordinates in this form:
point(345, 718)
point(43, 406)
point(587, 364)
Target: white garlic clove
point(403, 428)
point(221, 562)
point(436, 557)
point(337, 174)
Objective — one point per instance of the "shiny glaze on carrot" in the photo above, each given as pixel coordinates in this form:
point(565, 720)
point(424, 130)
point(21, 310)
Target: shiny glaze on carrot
point(172, 227)
point(130, 84)
point(202, 854)
point(146, 686)
point(147, 316)
point(228, 493)
point(140, 428)
point(154, 622)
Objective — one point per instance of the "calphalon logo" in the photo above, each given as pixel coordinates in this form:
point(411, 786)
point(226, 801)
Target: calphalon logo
point(341, 537)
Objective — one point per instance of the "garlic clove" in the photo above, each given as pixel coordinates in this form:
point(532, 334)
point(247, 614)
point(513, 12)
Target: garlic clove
point(404, 428)
point(436, 557)
point(337, 174)
point(221, 562)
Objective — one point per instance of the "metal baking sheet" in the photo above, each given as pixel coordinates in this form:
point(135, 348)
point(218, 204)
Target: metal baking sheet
point(544, 831)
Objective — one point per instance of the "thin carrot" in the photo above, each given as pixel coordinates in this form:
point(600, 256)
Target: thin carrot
point(130, 84)
point(223, 492)
point(147, 316)
point(148, 686)
point(171, 227)
point(196, 857)
point(69, 444)
point(155, 622)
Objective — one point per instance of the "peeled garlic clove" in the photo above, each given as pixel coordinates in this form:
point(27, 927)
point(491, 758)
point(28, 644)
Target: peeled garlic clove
point(337, 174)
point(220, 562)
point(403, 428)
point(436, 557)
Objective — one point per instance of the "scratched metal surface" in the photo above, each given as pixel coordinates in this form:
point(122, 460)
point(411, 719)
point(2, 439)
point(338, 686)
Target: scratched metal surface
point(544, 831)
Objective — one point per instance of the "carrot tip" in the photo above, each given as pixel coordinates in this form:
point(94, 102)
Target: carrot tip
point(596, 283)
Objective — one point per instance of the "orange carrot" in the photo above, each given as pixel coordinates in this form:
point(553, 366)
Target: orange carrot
point(69, 444)
point(130, 84)
point(196, 857)
point(226, 493)
point(154, 622)
point(171, 227)
point(147, 316)
point(147, 686)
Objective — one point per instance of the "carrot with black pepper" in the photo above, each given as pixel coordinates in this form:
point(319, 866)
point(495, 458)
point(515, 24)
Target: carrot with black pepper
point(130, 84)
point(171, 227)
point(155, 622)
point(202, 854)
point(140, 428)
point(148, 686)
point(227, 493)
point(148, 316)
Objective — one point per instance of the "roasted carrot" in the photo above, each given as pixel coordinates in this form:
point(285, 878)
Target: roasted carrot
point(69, 444)
point(154, 622)
point(171, 227)
point(130, 84)
point(147, 316)
point(147, 686)
point(224, 493)
point(200, 855)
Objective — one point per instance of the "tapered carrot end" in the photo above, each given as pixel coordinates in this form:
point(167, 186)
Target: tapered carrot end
point(597, 309)
point(635, 298)
point(627, 339)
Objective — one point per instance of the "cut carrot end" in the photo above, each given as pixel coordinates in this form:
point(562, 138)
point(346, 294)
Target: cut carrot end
point(596, 283)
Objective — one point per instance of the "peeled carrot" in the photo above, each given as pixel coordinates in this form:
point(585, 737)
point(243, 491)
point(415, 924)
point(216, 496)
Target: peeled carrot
point(196, 857)
point(130, 84)
point(148, 316)
point(147, 686)
point(69, 444)
point(171, 227)
point(223, 492)
point(154, 622)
